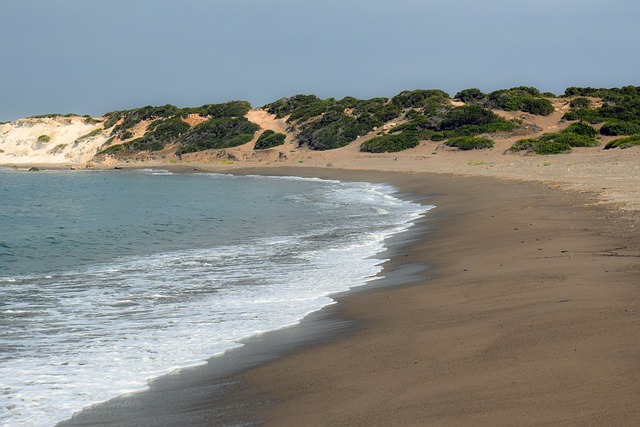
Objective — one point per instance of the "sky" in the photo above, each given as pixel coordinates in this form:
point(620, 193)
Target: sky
point(92, 57)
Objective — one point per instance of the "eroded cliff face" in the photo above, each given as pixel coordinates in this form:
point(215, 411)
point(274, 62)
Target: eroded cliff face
point(51, 140)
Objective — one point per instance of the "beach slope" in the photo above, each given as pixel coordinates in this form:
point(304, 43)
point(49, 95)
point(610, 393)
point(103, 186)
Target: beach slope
point(531, 316)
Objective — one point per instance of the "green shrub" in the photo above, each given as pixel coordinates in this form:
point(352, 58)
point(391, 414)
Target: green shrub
point(469, 143)
point(286, 106)
point(170, 129)
point(537, 106)
point(437, 136)
point(391, 143)
point(580, 103)
point(623, 142)
point(541, 147)
point(218, 133)
point(468, 115)
point(44, 138)
point(570, 138)
point(113, 149)
point(620, 128)
point(555, 143)
point(521, 98)
point(581, 128)
point(227, 109)
point(420, 98)
point(269, 139)
point(471, 96)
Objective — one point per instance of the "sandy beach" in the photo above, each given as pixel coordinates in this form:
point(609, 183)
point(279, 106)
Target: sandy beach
point(529, 317)
point(528, 314)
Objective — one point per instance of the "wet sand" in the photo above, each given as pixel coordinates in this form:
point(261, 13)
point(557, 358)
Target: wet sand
point(528, 314)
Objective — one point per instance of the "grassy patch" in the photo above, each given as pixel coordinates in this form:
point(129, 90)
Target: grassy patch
point(44, 138)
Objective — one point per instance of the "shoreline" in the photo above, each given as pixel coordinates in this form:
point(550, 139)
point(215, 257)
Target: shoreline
point(530, 315)
point(216, 376)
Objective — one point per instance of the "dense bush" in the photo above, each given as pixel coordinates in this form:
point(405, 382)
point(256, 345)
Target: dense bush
point(218, 133)
point(537, 106)
point(580, 102)
point(421, 98)
point(521, 98)
point(541, 147)
point(329, 123)
point(158, 134)
point(620, 128)
point(576, 135)
point(623, 142)
point(581, 129)
point(619, 105)
point(227, 109)
point(130, 118)
point(467, 120)
point(44, 138)
point(269, 139)
point(572, 139)
point(390, 143)
point(286, 106)
point(469, 143)
point(471, 96)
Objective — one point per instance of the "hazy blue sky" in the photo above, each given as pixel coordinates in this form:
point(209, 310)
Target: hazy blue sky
point(90, 56)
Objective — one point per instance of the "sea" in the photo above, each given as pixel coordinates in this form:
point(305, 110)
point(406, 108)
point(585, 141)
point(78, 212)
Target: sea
point(111, 278)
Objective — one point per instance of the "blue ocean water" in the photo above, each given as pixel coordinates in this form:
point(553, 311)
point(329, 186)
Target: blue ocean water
point(110, 278)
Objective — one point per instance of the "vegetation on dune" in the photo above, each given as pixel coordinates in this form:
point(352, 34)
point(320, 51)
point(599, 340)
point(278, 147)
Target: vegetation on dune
point(218, 133)
point(443, 123)
point(269, 139)
point(53, 116)
point(44, 138)
point(469, 143)
point(89, 135)
point(330, 123)
point(112, 150)
point(390, 143)
point(616, 128)
point(580, 128)
point(620, 110)
point(427, 114)
point(399, 122)
point(522, 98)
point(623, 142)
point(158, 134)
point(576, 135)
point(226, 121)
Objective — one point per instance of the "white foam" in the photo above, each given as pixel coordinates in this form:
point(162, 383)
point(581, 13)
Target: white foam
point(127, 322)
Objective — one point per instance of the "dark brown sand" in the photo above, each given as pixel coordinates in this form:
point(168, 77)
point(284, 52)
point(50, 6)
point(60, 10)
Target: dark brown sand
point(530, 316)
